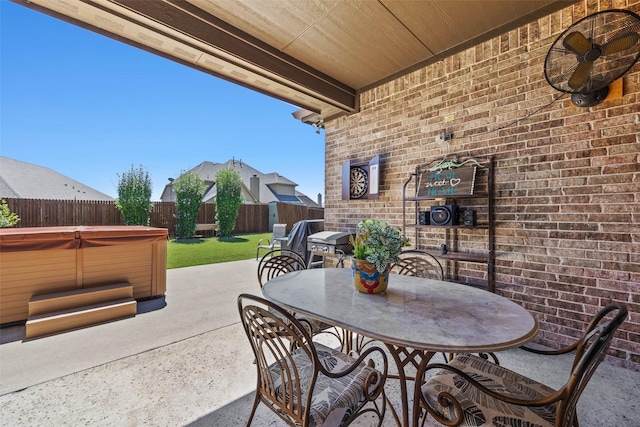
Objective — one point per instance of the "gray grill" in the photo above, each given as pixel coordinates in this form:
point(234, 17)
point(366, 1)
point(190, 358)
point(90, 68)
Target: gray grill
point(328, 243)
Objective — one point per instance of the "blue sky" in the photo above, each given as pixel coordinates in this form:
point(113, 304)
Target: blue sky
point(90, 107)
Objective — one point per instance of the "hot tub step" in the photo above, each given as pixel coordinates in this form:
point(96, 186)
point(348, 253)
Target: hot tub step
point(42, 304)
point(61, 311)
point(64, 320)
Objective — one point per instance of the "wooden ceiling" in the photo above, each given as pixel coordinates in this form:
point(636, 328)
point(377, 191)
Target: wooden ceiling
point(315, 54)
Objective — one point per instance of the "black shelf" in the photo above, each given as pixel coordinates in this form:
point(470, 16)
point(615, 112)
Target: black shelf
point(461, 256)
point(456, 197)
point(463, 227)
point(482, 190)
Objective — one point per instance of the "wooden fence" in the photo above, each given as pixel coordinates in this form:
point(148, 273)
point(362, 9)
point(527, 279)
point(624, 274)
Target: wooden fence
point(51, 213)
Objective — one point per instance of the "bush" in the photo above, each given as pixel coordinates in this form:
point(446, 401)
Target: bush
point(134, 196)
point(228, 200)
point(7, 218)
point(189, 189)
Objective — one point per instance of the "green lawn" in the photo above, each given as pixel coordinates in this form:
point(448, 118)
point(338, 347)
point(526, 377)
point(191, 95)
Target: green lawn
point(185, 253)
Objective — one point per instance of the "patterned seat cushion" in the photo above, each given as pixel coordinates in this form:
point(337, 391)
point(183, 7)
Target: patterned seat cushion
point(334, 399)
point(482, 410)
point(316, 326)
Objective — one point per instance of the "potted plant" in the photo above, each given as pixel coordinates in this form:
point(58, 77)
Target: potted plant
point(376, 247)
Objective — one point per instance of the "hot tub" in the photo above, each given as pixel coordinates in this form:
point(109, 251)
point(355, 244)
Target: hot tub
point(43, 260)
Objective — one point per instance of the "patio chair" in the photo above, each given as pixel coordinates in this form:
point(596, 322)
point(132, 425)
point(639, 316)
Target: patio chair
point(312, 384)
point(470, 391)
point(277, 238)
point(277, 262)
point(419, 263)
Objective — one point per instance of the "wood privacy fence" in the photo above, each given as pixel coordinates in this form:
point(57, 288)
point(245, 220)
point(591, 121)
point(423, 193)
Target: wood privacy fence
point(52, 213)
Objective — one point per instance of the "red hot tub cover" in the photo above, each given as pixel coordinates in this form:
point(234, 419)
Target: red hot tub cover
point(74, 237)
point(38, 238)
point(120, 235)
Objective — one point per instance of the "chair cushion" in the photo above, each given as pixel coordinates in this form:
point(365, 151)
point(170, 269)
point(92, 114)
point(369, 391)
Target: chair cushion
point(482, 410)
point(334, 399)
point(316, 325)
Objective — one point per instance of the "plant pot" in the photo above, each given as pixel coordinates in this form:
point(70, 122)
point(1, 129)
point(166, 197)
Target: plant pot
point(367, 279)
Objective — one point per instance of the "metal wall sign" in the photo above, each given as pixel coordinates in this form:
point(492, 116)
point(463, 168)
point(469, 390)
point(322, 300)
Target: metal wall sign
point(447, 182)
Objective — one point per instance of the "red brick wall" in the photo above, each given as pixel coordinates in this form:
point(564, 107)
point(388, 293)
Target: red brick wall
point(567, 178)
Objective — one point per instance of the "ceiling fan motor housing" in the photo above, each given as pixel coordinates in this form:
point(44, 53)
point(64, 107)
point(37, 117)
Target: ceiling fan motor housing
point(589, 99)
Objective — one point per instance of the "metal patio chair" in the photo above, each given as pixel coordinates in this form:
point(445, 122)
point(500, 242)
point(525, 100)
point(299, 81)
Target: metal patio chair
point(277, 238)
point(470, 391)
point(419, 263)
point(277, 262)
point(308, 384)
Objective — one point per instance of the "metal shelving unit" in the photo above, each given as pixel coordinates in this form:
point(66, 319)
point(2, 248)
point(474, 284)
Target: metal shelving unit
point(480, 198)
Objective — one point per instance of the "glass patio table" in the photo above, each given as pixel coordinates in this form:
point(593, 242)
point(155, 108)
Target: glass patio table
point(415, 318)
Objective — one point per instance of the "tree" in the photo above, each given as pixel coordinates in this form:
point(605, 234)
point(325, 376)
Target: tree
point(228, 200)
point(134, 196)
point(189, 189)
point(7, 218)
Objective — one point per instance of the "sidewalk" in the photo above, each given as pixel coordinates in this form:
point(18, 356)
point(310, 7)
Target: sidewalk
point(188, 363)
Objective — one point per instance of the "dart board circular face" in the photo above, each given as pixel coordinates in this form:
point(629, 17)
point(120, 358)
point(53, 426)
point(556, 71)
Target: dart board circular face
point(358, 182)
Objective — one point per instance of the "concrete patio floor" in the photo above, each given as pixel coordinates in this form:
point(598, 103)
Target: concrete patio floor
point(184, 361)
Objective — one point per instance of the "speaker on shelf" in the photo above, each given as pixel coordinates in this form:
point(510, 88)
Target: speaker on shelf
point(423, 218)
point(470, 218)
point(444, 215)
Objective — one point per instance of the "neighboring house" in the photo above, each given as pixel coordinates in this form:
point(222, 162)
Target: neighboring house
point(22, 180)
point(257, 187)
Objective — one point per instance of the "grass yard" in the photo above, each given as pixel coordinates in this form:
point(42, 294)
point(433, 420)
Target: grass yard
point(199, 251)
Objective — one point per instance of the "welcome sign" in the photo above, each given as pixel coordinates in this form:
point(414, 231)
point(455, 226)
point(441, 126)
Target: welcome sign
point(448, 182)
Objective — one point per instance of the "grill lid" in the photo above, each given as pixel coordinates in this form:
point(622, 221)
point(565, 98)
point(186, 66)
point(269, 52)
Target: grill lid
point(336, 238)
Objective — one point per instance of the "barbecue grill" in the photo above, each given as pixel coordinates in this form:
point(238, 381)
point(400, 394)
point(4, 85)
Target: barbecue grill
point(328, 243)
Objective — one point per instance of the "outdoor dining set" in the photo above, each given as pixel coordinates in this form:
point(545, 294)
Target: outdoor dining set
point(394, 336)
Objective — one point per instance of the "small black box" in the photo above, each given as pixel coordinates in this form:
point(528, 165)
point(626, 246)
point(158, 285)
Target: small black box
point(470, 218)
point(423, 217)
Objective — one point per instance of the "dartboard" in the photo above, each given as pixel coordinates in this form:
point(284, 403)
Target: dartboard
point(358, 182)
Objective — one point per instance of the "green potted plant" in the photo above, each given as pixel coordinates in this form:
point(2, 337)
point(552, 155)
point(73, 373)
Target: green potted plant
point(376, 247)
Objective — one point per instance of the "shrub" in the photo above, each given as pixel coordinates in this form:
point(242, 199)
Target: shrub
point(7, 218)
point(189, 189)
point(134, 196)
point(228, 200)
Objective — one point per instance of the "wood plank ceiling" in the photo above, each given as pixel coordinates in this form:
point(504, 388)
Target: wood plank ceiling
point(315, 54)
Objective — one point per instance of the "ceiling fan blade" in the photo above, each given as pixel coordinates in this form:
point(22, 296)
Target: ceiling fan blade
point(580, 76)
point(577, 43)
point(620, 43)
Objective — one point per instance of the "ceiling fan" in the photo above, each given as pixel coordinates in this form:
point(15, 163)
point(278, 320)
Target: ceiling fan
point(592, 53)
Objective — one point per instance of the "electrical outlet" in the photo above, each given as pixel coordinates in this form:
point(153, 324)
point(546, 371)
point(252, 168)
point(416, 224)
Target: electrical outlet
point(444, 137)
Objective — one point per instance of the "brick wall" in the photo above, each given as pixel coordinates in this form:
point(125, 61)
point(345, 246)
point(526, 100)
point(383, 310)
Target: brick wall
point(567, 181)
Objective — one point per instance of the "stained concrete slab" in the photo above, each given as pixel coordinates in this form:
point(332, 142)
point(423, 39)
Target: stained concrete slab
point(189, 364)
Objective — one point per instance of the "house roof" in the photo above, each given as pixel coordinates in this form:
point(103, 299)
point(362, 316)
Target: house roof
point(22, 180)
point(273, 186)
point(317, 55)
